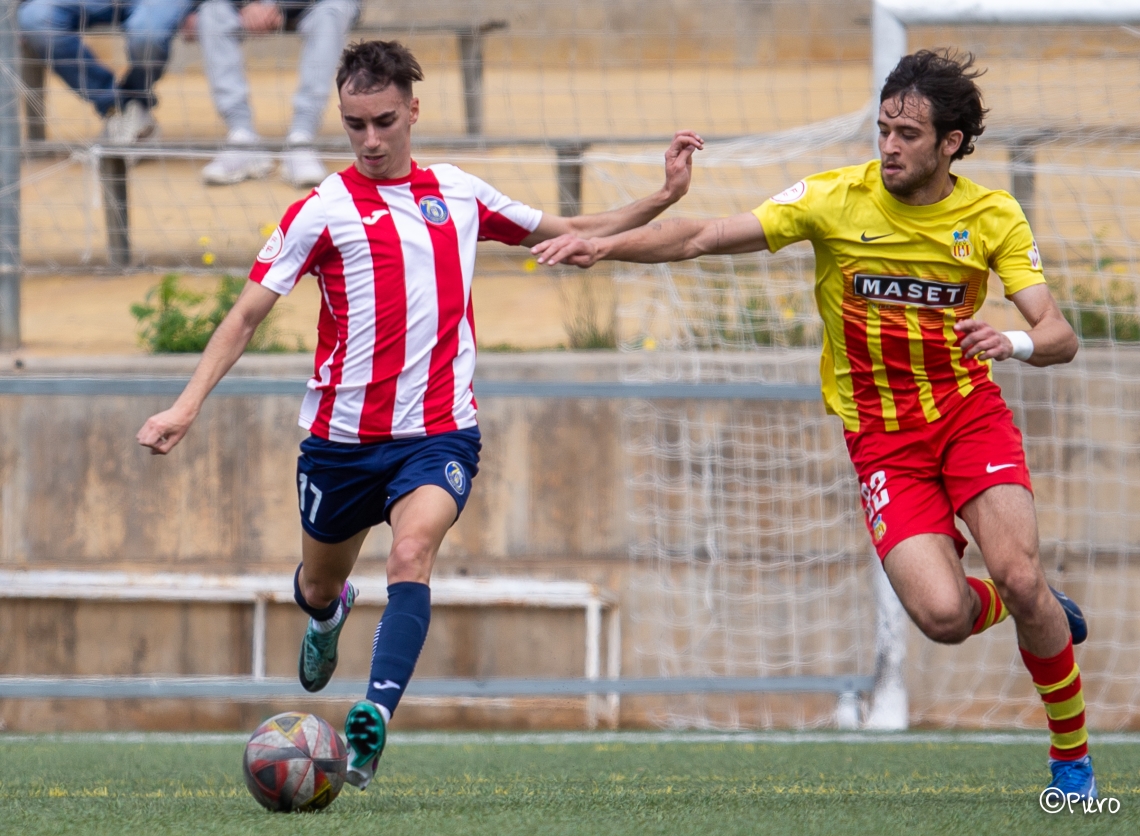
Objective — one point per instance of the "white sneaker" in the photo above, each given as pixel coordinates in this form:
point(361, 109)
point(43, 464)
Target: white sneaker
point(301, 167)
point(240, 160)
point(129, 125)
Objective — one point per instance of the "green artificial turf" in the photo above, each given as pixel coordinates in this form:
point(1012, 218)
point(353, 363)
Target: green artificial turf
point(598, 786)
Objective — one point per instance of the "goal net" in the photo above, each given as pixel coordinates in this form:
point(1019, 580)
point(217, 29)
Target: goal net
point(749, 554)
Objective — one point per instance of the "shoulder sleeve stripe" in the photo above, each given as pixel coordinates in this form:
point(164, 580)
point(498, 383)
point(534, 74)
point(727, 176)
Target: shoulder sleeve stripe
point(500, 218)
point(495, 226)
point(293, 248)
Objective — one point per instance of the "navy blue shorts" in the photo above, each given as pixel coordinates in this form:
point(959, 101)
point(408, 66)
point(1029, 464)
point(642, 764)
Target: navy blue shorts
point(346, 488)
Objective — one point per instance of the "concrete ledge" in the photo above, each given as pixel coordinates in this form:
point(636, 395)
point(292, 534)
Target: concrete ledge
point(247, 688)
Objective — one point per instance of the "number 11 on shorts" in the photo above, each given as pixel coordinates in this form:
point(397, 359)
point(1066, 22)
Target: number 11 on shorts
point(303, 481)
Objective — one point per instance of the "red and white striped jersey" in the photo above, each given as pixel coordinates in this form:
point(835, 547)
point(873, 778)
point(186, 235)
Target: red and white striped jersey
point(394, 259)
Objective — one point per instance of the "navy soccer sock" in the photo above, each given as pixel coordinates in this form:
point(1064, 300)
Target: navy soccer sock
point(322, 614)
point(399, 639)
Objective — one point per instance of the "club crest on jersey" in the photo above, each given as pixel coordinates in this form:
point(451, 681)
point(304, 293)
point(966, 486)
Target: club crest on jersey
point(456, 477)
point(961, 246)
point(791, 194)
point(434, 210)
point(908, 290)
point(272, 247)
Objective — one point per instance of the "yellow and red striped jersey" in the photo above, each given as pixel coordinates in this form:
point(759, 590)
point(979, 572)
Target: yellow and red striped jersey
point(892, 279)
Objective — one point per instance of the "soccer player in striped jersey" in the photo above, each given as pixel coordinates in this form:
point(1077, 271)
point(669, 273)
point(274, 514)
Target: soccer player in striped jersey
point(903, 254)
point(390, 407)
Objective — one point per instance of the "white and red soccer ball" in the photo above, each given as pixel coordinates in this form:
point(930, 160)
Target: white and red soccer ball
point(294, 762)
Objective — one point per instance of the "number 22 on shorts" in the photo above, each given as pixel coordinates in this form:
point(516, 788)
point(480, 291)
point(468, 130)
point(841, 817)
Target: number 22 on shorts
point(875, 498)
point(303, 483)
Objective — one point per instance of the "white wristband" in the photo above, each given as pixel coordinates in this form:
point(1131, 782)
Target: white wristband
point(1022, 344)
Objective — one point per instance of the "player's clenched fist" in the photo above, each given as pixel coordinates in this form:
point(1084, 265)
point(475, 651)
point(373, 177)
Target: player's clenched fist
point(979, 339)
point(162, 431)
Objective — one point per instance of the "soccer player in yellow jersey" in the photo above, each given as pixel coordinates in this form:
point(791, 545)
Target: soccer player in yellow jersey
point(903, 252)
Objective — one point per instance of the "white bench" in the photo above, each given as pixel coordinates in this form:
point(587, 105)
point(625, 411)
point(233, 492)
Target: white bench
point(260, 590)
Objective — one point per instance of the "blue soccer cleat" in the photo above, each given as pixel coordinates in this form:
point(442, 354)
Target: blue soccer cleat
point(366, 732)
point(1074, 777)
point(1077, 624)
point(318, 650)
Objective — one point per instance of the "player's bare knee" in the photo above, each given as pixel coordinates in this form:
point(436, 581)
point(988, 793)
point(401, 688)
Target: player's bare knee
point(948, 623)
point(409, 560)
point(1021, 587)
point(318, 591)
point(954, 632)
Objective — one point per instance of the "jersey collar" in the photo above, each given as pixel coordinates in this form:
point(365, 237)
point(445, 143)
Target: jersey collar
point(353, 173)
point(893, 204)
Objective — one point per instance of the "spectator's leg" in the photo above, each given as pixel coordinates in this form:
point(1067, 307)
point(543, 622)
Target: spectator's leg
point(324, 29)
point(150, 26)
point(49, 30)
point(219, 33)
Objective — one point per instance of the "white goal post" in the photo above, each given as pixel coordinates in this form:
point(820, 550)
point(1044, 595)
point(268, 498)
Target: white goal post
point(890, 19)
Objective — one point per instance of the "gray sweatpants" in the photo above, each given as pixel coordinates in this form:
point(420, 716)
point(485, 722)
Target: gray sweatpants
point(324, 30)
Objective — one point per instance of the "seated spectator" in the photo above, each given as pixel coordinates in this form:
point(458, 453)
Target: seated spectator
point(50, 29)
point(324, 26)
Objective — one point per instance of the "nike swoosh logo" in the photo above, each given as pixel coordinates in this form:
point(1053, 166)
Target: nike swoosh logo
point(385, 685)
point(867, 240)
point(991, 469)
point(374, 217)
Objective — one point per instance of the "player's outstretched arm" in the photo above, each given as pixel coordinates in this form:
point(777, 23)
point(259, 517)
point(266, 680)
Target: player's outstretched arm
point(676, 239)
point(1052, 338)
point(678, 174)
point(162, 431)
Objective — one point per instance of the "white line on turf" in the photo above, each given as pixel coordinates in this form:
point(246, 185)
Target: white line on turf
point(595, 738)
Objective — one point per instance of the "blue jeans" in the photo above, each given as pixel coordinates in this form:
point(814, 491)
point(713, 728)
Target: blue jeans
point(50, 29)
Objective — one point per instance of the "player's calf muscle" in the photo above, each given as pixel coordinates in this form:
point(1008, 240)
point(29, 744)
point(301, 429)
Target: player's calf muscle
point(326, 566)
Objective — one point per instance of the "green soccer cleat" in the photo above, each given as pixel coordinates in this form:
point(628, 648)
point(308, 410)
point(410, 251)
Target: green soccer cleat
point(318, 650)
point(366, 731)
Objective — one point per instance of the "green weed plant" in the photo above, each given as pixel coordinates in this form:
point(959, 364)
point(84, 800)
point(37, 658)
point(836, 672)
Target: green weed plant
point(1105, 311)
point(175, 319)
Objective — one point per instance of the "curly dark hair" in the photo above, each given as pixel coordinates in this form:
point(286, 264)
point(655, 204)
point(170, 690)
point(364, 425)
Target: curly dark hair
point(368, 66)
point(946, 80)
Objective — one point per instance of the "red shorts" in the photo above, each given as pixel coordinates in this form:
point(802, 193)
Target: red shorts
point(914, 481)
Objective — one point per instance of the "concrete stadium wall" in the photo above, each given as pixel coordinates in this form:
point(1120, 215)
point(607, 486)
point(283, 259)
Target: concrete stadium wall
point(551, 501)
point(77, 492)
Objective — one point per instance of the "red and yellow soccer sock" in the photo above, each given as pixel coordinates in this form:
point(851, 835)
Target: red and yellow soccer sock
point(1058, 681)
point(993, 610)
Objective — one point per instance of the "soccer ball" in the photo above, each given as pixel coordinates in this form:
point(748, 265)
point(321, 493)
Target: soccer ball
point(294, 762)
